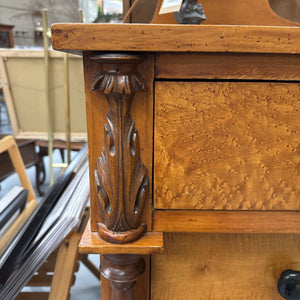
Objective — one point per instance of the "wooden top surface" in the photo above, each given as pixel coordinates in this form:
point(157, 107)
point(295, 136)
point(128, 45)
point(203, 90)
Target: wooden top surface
point(175, 38)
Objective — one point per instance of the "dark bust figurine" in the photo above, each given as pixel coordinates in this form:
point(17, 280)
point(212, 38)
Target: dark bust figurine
point(190, 13)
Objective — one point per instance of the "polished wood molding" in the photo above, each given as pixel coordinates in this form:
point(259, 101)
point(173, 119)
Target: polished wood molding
point(150, 243)
point(165, 38)
point(250, 66)
point(121, 237)
point(226, 221)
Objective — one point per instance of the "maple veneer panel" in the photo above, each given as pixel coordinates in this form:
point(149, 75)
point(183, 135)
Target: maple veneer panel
point(222, 266)
point(227, 145)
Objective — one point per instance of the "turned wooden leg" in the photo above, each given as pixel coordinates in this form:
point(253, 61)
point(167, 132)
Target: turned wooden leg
point(122, 271)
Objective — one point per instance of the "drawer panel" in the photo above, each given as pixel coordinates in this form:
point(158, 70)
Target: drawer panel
point(222, 266)
point(226, 146)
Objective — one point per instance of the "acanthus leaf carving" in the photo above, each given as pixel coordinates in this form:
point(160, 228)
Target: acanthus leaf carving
point(118, 83)
point(121, 179)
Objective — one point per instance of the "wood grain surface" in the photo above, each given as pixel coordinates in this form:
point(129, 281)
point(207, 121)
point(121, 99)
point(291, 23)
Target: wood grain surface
point(216, 221)
point(222, 266)
point(175, 38)
point(227, 146)
point(142, 114)
point(227, 66)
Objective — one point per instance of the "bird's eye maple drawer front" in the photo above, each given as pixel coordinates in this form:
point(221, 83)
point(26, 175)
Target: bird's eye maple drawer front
point(227, 145)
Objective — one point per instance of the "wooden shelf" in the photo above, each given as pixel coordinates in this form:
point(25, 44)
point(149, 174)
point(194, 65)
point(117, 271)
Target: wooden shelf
point(91, 243)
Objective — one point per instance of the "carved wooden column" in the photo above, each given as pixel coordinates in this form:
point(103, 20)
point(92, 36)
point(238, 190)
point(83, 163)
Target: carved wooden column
point(121, 179)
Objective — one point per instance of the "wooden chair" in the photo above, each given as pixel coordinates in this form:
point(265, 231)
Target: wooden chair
point(58, 272)
point(9, 144)
point(30, 158)
point(63, 262)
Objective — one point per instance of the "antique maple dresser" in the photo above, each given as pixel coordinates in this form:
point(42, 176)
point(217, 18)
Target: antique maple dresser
point(193, 134)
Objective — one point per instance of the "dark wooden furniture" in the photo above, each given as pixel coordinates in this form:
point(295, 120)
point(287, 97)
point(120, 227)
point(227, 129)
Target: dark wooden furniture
point(6, 36)
point(30, 158)
point(200, 142)
point(57, 144)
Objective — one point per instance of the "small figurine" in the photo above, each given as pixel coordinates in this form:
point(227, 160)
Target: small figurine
point(190, 13)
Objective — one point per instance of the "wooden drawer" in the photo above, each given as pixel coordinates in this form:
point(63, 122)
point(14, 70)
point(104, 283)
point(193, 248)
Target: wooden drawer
point(222, 266)
point(226, 145)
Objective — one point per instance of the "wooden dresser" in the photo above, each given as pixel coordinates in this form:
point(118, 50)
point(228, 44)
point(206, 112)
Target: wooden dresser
point(193, 136)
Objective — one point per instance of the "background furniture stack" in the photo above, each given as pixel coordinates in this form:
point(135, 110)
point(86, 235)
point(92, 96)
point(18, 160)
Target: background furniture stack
point(58, 271)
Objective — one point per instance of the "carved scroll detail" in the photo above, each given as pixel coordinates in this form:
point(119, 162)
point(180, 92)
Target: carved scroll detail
point(121, 179)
